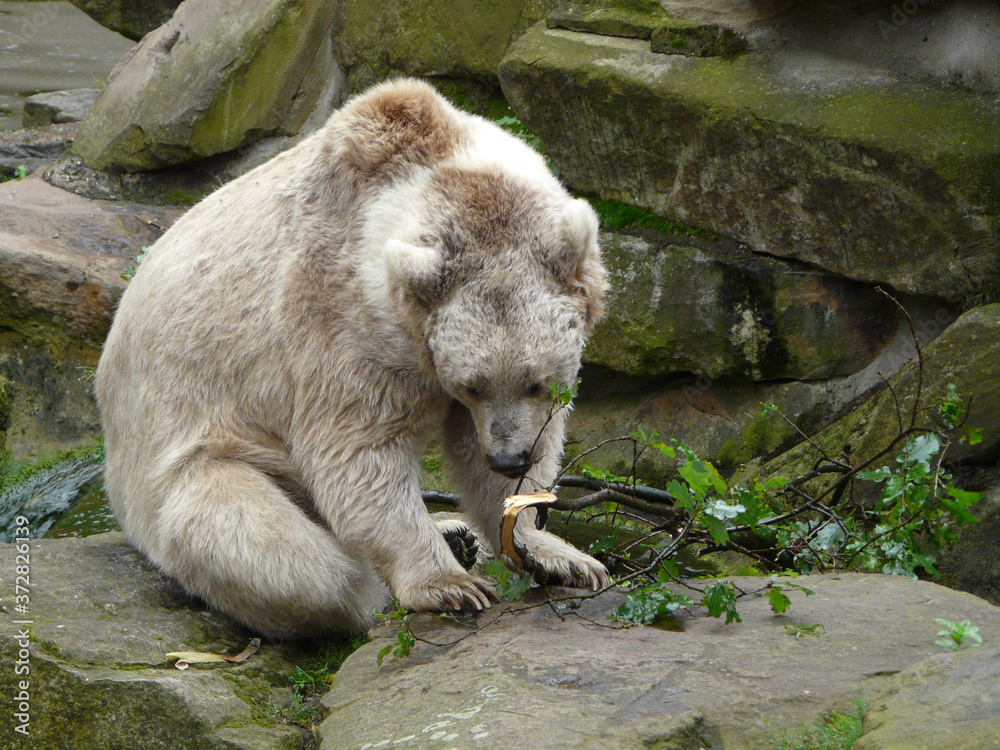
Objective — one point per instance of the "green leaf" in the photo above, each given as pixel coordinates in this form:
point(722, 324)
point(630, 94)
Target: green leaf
point(666, 450)
point(878, 475)
point(383, 653)
point(720, 598)
point(922, 449)
point(773, 483)
point(778, 600)
point(718, 529)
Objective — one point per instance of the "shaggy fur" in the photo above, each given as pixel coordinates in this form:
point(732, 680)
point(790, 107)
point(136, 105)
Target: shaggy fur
point(284, 352)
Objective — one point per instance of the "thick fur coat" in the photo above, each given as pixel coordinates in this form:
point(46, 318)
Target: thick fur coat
point(286, 349)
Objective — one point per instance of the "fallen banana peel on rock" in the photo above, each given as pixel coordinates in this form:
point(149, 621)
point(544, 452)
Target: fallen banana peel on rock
point(512, 508)
point(187, 658)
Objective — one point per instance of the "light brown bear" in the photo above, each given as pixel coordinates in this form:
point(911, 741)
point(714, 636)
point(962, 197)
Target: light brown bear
point(284, 352)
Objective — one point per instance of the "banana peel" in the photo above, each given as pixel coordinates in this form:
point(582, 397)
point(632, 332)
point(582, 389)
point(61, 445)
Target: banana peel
point(513, 506)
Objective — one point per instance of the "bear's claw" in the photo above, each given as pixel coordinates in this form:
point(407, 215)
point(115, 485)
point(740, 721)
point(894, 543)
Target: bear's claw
point(464, 545)
point(451, 593)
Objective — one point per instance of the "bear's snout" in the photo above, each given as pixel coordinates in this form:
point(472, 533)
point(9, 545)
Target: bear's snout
point(511, 465)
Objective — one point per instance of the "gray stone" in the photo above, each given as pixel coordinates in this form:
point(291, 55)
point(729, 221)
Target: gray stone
point(677, 306)
point(101, 622)
point(32, 148)
point(950, 43)
point(845, 166)
point(129, 18)
point(947, 702)
point(55, 107)
point(527, 678)
point(214, 78)
point(435, 38)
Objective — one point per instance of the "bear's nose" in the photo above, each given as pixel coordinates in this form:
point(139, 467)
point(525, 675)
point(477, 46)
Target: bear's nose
point(512, 465)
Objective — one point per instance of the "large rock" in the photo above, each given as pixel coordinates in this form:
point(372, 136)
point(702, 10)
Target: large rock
point(215, 77)
point(678, 307)
point(947, 702)
point(61, 264)
point(723, 421)
point(952, 43)
point(843, 165)
point(531, 679)
point(100, 623)
point(128, 17)
point(449, 38)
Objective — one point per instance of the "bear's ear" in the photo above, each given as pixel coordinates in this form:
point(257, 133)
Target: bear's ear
point(396, 125)
point(417, 269)
point(581, 262)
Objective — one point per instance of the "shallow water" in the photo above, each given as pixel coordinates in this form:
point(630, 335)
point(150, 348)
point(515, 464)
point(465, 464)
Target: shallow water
point(45, 498)
point(46, 46)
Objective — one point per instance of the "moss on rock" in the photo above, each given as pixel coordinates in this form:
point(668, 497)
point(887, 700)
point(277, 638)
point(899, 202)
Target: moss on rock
point(848, 168)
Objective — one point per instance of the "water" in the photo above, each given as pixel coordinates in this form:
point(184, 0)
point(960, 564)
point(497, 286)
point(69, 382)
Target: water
point(46, 46)
point(45, 498)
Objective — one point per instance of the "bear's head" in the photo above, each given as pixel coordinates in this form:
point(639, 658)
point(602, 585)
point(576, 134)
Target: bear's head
point(472, 242)
point(505, 282)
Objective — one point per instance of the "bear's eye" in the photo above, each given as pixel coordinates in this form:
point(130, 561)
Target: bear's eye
point(535, 390)
point(471, 392)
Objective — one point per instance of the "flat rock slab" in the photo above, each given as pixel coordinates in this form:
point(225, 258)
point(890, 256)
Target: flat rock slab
point(101, 622)
point(961, 686)
point(798, 154)
point(62, 256)
point(528, 679)
point(54, 107)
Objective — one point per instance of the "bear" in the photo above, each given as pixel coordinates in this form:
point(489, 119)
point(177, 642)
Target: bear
point(287, 348)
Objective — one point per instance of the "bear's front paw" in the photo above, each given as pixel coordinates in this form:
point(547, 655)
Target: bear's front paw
point(560, 564)
point(449, 593)
point(577, 572)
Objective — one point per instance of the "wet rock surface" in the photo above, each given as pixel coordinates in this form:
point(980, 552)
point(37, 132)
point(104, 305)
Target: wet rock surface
point(681, 306)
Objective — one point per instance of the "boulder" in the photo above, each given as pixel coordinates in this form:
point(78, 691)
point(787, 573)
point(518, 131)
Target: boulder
point(93, 640)
point(129, 18)
point(950, 43)
point(374, 41)
point(846, 166)
point(525, 675)
point(57, 107)
point(681, 306)
point(947, 702)
point(212, 79)
point(61, 264)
